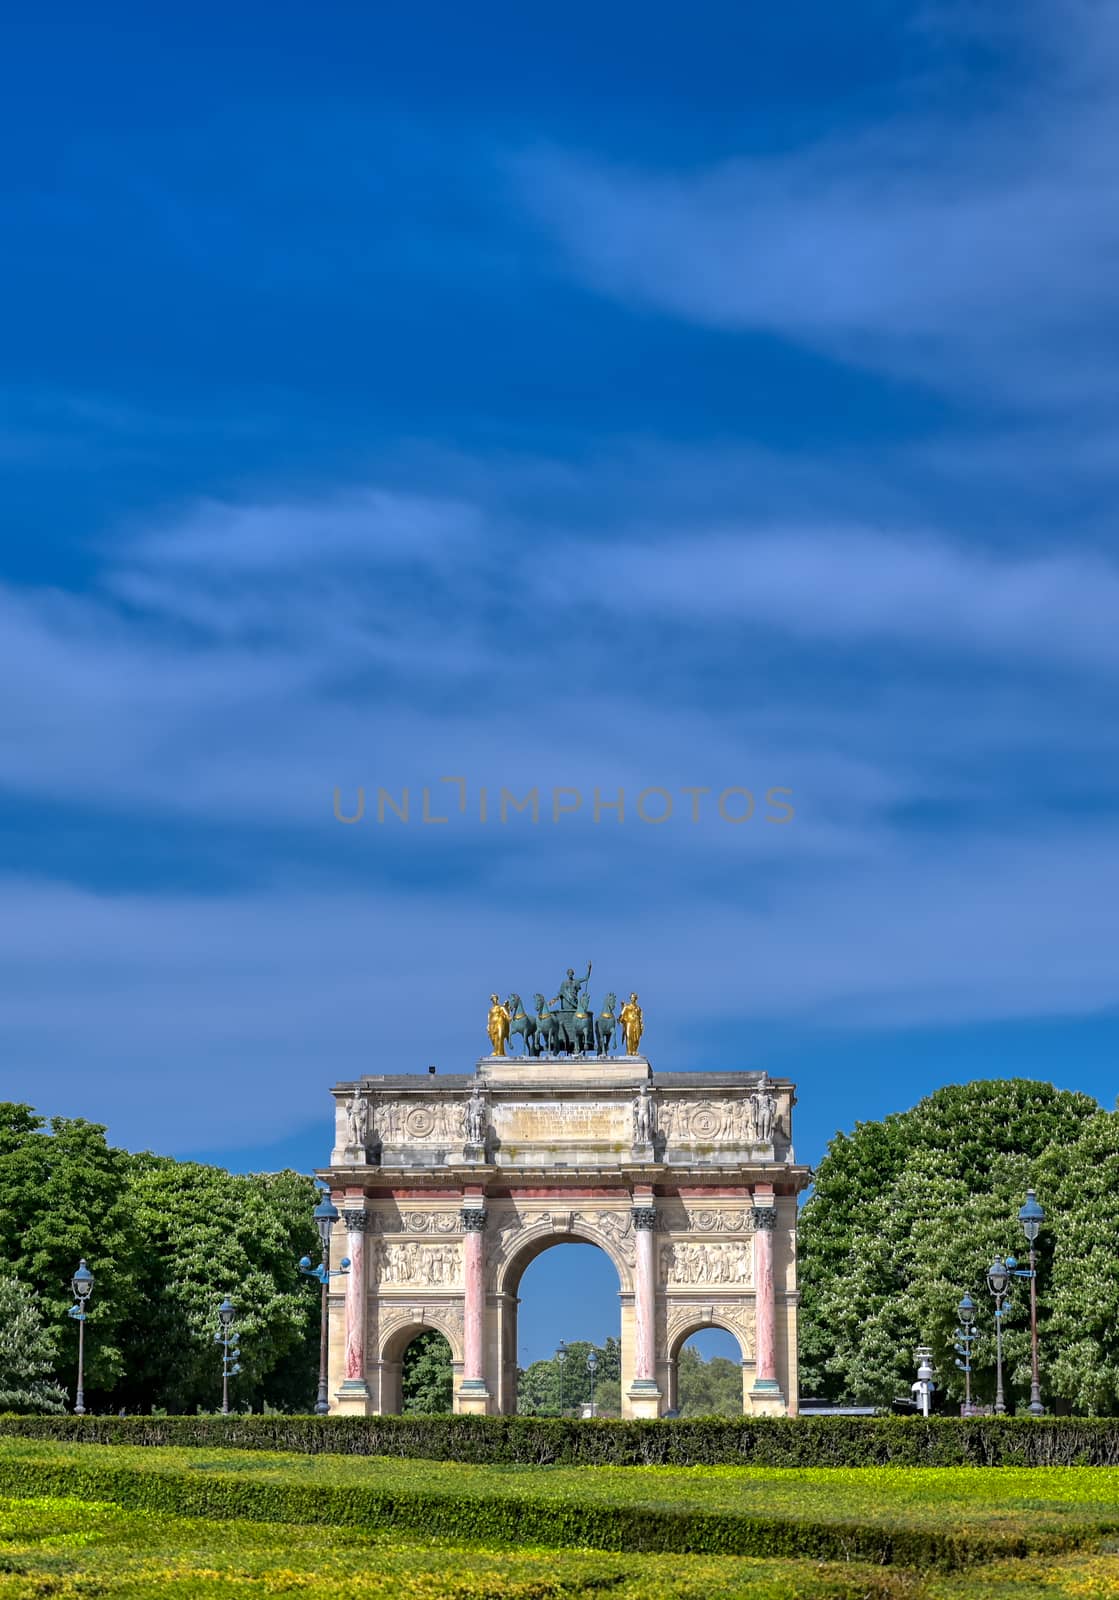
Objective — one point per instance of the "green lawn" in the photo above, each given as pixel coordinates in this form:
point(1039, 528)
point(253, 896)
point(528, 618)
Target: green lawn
point(93, 1520)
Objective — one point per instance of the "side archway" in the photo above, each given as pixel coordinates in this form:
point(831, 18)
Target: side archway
point(689, 1322)
point(398, 1331)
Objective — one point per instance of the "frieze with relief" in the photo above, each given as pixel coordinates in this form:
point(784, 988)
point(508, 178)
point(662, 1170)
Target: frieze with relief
point(436, 1265)
point(688, 1317)
point(442, 1222)
point(671, 1220)
point(611, 1227)
point(730, 1264)
point(742, 1119)
point(446, 1318)
point(401, 1122)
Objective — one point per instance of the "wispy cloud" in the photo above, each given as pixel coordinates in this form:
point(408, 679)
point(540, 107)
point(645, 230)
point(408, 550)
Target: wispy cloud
point(863, 586)
point(974, 251)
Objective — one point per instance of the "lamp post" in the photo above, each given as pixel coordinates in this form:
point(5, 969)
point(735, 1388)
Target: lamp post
point(592, 1368)
point(998, 1277)
point(1031, 1216)
point(561, 1357)
point(965, 1333)
point(82, 1285)
point(326, 1215)
point(229, 1341)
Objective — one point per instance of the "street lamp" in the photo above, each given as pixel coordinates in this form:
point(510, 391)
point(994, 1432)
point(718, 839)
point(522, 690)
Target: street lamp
point(1031, 1216)
point(998, 1278)
point(326, 1215)
point(561, 1357)
point(965, 1333)
point(592, 1368)
point(82, 1285)
point(230, 1342)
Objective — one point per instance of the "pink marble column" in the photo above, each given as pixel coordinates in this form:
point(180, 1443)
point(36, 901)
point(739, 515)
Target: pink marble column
point(765, 1223)
point(356, 1221)
point(474, 1309)
point(645, 1296)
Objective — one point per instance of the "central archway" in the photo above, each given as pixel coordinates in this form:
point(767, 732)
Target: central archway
point(568, 1296)
point(504, 1297)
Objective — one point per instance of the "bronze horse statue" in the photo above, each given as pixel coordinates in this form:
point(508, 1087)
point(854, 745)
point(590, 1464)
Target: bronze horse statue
point(520, 1022)
point(549, 1029)
point(605, 1024)
point(582, 1029)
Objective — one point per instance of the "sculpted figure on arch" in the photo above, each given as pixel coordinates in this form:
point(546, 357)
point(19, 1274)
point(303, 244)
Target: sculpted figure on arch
point(357, 1121)
point(632, 1020)
point(497, 1026)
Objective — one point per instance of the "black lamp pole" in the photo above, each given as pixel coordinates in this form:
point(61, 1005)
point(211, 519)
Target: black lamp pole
point(1031, 1216)
point(998, 1276)
point(229, 1353)
point(965, 1333)
point(561, 1357)
point(82, 1285)
point(326, 1215)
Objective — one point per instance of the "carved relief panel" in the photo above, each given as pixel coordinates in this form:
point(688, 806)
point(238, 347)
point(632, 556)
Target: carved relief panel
point(434, 1265)
point(687, 1264)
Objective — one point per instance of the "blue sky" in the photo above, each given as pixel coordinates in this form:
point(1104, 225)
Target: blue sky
point(568, 397)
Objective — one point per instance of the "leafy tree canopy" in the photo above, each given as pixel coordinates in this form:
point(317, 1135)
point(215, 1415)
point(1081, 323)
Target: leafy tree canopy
point(26, 1352)
point(427, 1375)
point(165, 1241)
point(907, 1213)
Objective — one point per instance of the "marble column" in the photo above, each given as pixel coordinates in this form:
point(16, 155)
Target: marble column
point(354, 1393)
point(473, 1394)
point(766, 1391)
point(644, 1394)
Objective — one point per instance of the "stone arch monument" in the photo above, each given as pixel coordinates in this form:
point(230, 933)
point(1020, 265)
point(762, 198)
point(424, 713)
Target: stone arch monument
point(450, 1185)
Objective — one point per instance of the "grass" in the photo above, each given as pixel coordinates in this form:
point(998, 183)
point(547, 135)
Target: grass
point(96, 1520)
point(71, 1549)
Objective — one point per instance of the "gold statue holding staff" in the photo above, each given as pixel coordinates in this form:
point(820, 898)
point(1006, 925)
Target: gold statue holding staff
point(632, 1020)
point(497, 1026)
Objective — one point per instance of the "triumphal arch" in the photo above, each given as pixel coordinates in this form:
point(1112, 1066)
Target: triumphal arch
point(450, 1184)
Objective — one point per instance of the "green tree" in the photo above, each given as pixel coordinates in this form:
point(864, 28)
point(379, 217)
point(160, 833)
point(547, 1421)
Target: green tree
point(905, 1215)
point(165, 1240)
point(707, 1388)
point(63, 1195)
point(26, 1352)
point(1078, 1269)
point(208, 1233)
point(540, 1385)
point(427, 1375)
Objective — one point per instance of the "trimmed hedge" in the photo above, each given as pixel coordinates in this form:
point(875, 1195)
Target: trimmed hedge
point(546, 1441)
point(524, 1520)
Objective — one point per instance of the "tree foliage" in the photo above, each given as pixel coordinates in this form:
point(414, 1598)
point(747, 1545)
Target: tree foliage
point(907, 1213)
point(552, 1389)
point(165, 1241)
point(427, 1376)
point(26, 1352)
point(710, 1388)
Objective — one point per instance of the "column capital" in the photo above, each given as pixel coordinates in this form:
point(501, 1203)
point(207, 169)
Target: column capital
point(644, 1218)
point(356, 1219)
point(473, 1219)
point(765, 1218)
